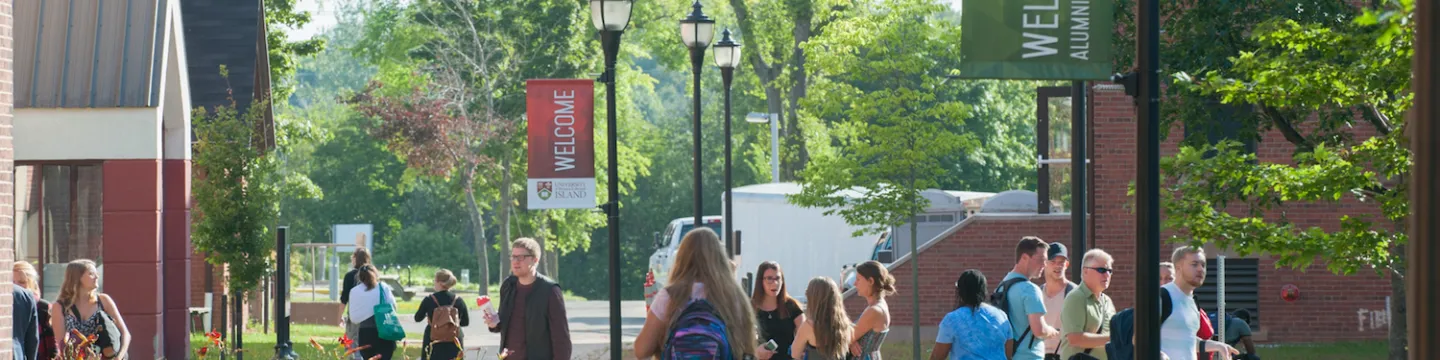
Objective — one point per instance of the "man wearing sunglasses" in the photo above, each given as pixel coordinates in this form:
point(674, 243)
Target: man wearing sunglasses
point(1088, 310)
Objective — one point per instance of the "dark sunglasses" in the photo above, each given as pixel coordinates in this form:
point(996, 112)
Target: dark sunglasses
point(1101, 270)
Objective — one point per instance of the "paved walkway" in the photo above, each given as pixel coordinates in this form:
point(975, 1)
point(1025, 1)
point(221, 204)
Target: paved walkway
point(589, 328)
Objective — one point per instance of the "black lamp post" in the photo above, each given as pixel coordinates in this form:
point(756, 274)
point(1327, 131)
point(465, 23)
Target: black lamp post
point(697, 30)
point(727, 55)
point(612, 17)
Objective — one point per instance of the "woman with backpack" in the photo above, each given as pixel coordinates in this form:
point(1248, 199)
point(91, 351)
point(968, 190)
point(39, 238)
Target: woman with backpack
point(363, 299)
point(826, 332)
point(446, 314)
point(83, 309)
point(975, 330)
point(778, 313)
point(873, 282)
point(702, 290)
point(26, 277)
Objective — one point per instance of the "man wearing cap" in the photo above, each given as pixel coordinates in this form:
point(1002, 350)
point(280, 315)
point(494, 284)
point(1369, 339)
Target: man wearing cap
point(1057, 265)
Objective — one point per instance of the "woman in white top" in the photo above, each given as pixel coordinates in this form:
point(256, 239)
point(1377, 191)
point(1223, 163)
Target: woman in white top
point(701, 271)
point(363, 298)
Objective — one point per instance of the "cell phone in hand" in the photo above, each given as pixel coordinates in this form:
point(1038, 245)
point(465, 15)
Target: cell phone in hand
point(770, 345)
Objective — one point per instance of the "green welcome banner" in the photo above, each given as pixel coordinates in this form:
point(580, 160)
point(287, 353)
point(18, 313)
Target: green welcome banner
point(1037, 39)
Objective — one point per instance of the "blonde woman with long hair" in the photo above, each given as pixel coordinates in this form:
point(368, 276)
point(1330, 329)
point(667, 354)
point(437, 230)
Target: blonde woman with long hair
point(78, 308)
point(25, 276)
point(701, 272)
point(825, 335)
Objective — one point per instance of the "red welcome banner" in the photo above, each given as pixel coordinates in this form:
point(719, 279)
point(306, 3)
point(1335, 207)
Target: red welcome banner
point(560, 114)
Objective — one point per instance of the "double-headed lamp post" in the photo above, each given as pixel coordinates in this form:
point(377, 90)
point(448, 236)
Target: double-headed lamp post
point(727, 55)
point(612, 17)
point(697, 30)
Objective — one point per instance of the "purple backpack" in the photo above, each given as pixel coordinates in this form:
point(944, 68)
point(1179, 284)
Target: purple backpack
point(697, 334)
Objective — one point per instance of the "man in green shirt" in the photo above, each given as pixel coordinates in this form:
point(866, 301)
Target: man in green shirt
point(1086, 316)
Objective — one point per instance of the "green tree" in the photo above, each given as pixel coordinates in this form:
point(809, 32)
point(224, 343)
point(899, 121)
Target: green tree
point(238, 190)
point(279, 15)
point(1312, 82)
point(895, 136)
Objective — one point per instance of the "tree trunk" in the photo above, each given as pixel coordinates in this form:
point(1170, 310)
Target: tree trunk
point(796, 137)
point(1398, 327)
point(505, 208)
point(477, 224)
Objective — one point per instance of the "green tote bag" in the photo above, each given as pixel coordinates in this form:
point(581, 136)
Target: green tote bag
point(385, 318)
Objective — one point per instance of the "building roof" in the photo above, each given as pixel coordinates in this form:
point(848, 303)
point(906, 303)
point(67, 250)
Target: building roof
point(78, 54)
point(222, 32)
point(229, 33)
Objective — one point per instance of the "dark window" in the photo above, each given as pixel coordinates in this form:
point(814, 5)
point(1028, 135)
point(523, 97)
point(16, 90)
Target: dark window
point(1227, 124)
point(1242, 288)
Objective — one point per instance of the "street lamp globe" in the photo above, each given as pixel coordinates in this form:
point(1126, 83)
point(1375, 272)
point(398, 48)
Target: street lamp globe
point(697, 29)
point(611, 15)
point(727, 51)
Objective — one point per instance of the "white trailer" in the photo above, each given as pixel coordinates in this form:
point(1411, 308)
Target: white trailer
point(804, 241)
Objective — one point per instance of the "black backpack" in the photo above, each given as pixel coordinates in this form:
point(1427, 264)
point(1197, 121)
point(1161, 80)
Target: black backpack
point(1000, 299)
point(1122, 326)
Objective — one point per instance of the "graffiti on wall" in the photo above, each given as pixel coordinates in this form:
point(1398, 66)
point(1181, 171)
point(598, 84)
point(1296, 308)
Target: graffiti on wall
point(1374, 320)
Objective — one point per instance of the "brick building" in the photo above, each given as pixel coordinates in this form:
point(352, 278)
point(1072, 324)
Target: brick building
point(103, 98)
point(7, 169)
point(1330, 307)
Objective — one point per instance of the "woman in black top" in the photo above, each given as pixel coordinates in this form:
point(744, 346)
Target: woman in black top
point(443, 349)
point(779, 314)
point(358, 259)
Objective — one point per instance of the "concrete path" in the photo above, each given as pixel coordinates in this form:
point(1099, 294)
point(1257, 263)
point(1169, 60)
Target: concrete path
point(589, 329)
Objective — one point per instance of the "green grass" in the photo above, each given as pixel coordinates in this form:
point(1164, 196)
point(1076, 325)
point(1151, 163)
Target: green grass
point(1364, 350)
point(261, 346)
point(1330, 351)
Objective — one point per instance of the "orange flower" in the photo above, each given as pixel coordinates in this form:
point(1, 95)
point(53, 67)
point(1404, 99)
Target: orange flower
point(204, 350)
point(345, 340)
point(316, 344)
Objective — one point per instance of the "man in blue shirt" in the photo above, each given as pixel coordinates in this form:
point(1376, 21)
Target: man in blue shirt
point(1026, 308)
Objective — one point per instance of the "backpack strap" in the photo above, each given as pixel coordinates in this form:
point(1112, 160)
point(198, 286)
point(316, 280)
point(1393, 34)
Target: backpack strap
point(1167, 306)
point(1010, 285)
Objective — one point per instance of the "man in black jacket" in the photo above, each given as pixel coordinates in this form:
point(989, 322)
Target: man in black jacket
point(531, 321)
point(26, 327)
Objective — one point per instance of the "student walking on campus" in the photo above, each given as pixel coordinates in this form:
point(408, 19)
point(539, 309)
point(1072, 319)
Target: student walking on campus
point(975, 330)
point(826, 334)
point(81, 308)
point(358, 259)
point(1182, 322)
point(531, 321)
point(777, 313)
point(26, 277)
point(363, 298)
point(1021, 300)
point(1057, 286)
point(873, 282)
point(702, 292)
point(445, 315)
point(1087, 311)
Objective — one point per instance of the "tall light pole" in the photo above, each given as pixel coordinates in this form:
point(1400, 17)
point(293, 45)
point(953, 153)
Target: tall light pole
point(774, 120)
point(1421, 285)
point(612, 17)
point(696, 31)
point(727, 55)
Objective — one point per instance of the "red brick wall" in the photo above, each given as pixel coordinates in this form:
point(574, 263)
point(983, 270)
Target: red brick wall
point(1330, 305)
point(985, 242)
point(7, 172)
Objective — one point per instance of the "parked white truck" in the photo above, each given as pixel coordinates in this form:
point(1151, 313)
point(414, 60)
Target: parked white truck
point(666, 243)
